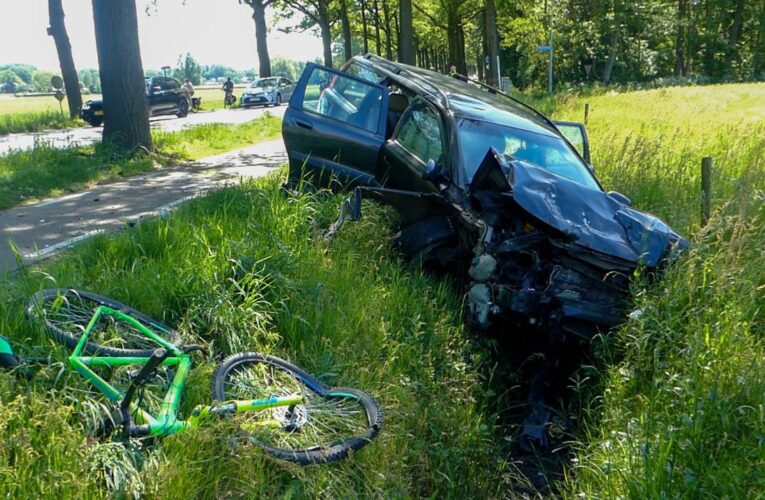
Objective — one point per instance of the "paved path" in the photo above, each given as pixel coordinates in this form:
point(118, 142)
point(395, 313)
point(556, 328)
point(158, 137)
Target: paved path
point(42, 229)
point(86, 135)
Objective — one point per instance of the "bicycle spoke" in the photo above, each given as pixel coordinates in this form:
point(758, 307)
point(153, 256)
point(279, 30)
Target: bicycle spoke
point(315, 423)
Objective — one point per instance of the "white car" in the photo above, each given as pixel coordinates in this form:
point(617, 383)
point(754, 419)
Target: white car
point(267, 91)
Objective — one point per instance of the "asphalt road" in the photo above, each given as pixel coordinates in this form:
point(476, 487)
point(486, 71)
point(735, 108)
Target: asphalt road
point(46, 228)
point(87, 135)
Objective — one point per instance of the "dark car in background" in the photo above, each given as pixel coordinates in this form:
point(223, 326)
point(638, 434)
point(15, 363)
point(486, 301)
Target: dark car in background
point(164, 95)
point(487, 188)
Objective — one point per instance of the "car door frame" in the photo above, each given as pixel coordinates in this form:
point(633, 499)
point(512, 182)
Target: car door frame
point(396, 152)
point(311, 118)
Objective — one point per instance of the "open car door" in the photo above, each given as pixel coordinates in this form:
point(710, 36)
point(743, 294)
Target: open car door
point(334, 127)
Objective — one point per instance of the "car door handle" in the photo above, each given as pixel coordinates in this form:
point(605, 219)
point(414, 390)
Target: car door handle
point(305, 125)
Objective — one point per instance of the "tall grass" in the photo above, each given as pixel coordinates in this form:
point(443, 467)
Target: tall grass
point(679, 409)
point(35, 122)
point(246, 268)
point(674, 403)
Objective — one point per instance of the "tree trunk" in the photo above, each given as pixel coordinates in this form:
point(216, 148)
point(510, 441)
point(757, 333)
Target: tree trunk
point(388, 34)
point(346, 25)
point(759, 52)
point(680, 38)
point(735, 35)
point(364, 31)
point(126, 111)
point(492, 41)
point(461, 58)
point(68, 71)
point(261, 33)
point(326, 33)
point(405, 33)
point(611, 55)
point(378, 41)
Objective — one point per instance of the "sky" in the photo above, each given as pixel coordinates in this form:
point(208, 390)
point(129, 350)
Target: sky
point(213, 31)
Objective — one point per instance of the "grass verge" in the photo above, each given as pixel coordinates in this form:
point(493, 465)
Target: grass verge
point(45, 171)
point(246, 269)
point(35, 122)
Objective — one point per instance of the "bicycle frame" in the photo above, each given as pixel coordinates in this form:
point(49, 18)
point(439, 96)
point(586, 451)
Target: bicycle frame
point(166, 422)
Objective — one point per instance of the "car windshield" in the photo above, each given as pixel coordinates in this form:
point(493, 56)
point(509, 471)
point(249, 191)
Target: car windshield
point(264, 82)
point(547, 152)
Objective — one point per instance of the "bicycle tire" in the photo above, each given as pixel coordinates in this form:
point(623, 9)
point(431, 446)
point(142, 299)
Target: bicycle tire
point(65, 312)
point(301, 437)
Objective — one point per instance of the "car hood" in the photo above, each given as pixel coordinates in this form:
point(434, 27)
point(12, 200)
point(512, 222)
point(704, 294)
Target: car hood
point(588, 218)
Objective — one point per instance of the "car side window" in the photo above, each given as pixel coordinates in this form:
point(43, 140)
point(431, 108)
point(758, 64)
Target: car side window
point(363, 72)
point(342, 98)
point(420, 134)
point(166, 83)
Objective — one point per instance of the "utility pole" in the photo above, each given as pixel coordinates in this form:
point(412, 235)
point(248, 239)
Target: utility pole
point(552, 47)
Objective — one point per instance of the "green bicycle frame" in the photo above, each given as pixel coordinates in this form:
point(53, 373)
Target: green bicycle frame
point(166, 422)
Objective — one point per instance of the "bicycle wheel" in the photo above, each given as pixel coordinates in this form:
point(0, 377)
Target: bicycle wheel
point(327, 426)
point(66, 313)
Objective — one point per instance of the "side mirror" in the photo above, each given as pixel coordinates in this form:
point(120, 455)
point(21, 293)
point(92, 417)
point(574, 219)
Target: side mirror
point(620, 198)
point(576, 134)
point(433, 172)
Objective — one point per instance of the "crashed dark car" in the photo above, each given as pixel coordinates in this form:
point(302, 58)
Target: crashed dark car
point(487, 188)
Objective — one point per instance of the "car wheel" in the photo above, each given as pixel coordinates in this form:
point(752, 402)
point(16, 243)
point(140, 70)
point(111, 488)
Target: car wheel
point(183, 108)
point(95, 122)
point(424, 240)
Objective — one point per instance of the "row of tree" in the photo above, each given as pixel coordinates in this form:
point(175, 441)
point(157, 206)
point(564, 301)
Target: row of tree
point(27, 78)
point(594, 40)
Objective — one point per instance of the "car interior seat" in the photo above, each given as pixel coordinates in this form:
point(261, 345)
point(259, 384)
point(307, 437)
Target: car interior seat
point(397, 104)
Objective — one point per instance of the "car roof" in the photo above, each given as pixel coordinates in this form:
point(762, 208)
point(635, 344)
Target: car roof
point(464, 99)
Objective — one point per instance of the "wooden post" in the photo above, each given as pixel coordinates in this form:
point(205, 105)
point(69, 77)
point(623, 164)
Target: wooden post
point(706, 189)
point(586, 112)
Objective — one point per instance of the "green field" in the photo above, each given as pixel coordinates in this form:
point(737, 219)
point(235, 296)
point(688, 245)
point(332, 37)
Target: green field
point(670, 407)
point(33, 114)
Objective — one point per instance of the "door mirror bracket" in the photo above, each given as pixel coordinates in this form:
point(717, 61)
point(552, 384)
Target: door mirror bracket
point(434, 172)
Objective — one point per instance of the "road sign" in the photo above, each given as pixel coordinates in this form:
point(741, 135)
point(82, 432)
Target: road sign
point(545, 48)
point(57, 82)
point(59, 95)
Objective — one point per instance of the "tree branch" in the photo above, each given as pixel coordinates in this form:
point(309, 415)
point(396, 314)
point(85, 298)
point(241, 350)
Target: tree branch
point(429, 16)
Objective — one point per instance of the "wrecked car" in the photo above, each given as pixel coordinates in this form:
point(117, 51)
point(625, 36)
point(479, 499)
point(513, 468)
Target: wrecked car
point(487, 188)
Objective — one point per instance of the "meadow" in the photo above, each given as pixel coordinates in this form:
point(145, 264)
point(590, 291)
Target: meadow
point(33, 114)
point(671, 405)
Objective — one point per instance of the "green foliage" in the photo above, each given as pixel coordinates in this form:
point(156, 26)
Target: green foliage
point(287, 68)
point(34, 122)
point(188, 68)
point(348, 311)
point(678, 409)
point(90, 80)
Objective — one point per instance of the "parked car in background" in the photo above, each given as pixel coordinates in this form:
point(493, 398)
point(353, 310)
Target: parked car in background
point(487, 188)
point(164, 95)
point(267, 92)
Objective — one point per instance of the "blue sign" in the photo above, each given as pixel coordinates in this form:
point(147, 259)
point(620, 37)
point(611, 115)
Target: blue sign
point(545, 48)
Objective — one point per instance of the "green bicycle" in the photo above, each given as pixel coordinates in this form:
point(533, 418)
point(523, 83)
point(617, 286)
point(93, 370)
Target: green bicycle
point(275, 405)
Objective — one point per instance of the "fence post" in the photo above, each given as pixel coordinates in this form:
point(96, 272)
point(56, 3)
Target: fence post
point(586, 112)
point(706, 189)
